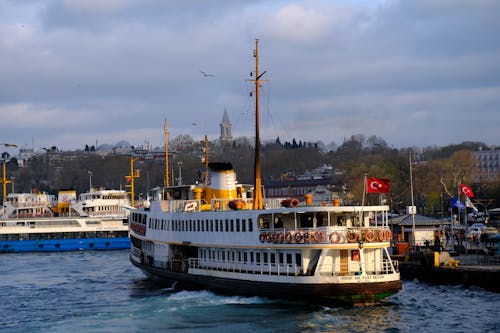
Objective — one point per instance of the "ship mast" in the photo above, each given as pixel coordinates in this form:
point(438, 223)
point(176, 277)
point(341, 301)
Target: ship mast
point(257, 201)
point(166, 153)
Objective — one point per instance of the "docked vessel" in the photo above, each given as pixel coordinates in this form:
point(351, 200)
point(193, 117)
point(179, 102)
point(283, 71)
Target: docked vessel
point(39, 222)
point(224, 236)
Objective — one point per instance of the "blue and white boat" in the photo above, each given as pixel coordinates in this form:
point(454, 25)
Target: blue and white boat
point(38, 222)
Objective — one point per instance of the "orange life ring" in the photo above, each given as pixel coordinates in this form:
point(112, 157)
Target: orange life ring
point(262, 237)
point(277, 237)
point(269, 237)
point(319, 236)
point(381, 235)
point(288, 237)
point(388, 235)
point(352, 236)
point(369, 236)
point(335, 237)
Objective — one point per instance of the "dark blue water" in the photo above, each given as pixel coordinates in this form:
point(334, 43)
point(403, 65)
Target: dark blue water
point(103, 292)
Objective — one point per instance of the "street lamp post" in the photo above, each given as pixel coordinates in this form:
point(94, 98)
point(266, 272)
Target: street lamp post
point(180, 172)
point(90, 180)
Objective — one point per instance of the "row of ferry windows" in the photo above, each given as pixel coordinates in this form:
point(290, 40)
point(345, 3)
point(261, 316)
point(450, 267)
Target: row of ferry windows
point(227, 225)
point(251, 257)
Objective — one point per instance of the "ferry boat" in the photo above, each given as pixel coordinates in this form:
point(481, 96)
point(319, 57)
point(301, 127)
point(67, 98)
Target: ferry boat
point(39, 222)
point(224, 236)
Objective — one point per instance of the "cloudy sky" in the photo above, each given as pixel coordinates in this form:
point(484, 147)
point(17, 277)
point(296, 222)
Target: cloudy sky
point(416, 73)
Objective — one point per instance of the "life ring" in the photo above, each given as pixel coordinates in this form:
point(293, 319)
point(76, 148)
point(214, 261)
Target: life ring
point(298, 237)
point(352, 236)
point(369, 236)
point(269, 237)
point(262, 237)
point(277, 237)
point(319, 236)
point(335, 237)
point(388, 235)
point(381, 235)
point(288, 237)
point(307, 237)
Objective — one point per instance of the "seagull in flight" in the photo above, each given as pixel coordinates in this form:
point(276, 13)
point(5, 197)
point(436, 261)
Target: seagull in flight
point(206, 75)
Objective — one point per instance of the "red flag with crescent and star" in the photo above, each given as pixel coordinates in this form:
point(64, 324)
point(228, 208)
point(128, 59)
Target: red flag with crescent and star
point(466, 190)
point(377, 185)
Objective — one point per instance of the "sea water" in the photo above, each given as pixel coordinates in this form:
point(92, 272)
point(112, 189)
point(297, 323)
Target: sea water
point(103, 292)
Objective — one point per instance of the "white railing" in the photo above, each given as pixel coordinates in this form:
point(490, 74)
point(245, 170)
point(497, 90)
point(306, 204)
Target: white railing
point(245, 267)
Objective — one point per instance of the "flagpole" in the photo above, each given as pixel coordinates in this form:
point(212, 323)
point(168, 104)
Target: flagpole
point(412, 208)
point(363, 198)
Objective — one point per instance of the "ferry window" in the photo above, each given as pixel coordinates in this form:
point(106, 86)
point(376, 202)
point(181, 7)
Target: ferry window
point(227, 225)
point(217, 225)
point(237, 225)
point(211, 225)
point(257, 257)
point(265, 257)
point(202, 225)
point(298, 259)
point(278, 221)
point(273, 259)
point(288, 258)
point(250, 225)
point(245, 257)
point(206, 224)
point(232, 225)
point(281, 257)
point(306, 220)
point(264, 221)
point(243, 225)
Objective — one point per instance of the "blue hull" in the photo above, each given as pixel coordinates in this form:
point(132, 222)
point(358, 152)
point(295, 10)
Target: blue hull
point(54, 245)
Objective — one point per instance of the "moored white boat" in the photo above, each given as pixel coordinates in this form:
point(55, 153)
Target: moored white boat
point(223, 236)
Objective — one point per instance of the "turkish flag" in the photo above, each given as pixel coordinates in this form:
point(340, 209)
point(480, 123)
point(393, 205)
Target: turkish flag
point(377, 185)
point(466, 190)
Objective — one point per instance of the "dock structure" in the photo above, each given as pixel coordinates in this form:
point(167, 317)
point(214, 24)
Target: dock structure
point(472, 270)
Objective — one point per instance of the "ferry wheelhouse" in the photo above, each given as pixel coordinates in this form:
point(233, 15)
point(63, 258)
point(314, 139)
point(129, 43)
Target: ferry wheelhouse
point(224, 236)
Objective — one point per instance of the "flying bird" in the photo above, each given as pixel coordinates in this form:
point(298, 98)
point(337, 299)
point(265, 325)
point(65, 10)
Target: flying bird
point(206, 75)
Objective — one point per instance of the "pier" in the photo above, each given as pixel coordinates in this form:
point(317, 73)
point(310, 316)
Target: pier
point(466, 270)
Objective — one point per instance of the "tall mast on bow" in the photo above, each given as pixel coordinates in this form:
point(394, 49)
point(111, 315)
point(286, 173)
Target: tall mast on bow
point(257, 201)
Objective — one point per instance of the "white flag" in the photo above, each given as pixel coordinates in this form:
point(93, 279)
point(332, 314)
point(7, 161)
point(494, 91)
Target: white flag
point(469, 204)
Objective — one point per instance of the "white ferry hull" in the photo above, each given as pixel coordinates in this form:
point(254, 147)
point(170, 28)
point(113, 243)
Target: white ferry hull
point(356, 293)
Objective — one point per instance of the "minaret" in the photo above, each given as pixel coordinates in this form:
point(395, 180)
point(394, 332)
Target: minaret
point(225, 129)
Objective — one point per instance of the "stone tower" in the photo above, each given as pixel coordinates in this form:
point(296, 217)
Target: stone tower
point(225, 129)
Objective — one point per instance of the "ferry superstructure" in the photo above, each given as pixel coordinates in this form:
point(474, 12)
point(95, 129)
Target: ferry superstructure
point(38, 222)
point(224, 236)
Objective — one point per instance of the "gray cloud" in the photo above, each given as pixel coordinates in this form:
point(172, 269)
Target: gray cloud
point(413, 72)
